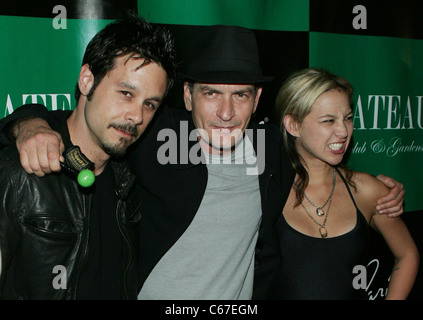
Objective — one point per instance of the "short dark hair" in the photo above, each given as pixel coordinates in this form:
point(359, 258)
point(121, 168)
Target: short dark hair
point(131, 35)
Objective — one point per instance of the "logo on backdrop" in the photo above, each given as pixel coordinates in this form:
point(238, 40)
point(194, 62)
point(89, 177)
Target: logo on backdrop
point(388, 113)
point(53, 101)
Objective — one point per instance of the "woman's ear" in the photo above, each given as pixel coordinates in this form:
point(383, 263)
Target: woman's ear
point(291, 125)
point(85, 80)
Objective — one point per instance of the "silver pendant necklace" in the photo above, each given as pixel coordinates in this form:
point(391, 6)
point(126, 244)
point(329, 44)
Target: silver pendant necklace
point(322, 226)
point(319, 210)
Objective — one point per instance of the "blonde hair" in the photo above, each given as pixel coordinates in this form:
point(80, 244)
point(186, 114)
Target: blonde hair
point(295, 98)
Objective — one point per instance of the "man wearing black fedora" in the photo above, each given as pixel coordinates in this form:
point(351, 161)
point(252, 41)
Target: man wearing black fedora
point(214, 245)
point(206, 229)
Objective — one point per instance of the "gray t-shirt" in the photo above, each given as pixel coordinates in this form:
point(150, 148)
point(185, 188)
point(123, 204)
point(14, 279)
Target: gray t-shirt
point(214, 258)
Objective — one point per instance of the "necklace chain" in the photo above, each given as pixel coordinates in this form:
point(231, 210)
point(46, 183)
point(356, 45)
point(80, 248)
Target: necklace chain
point(322, 229)
point(319, 210)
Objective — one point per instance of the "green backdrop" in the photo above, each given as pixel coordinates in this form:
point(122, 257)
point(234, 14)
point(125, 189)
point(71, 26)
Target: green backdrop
point(40, 63)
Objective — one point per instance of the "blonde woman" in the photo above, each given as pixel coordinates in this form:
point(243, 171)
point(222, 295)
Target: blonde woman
point(324, 226)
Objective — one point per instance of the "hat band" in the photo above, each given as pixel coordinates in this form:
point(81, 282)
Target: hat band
point(225, 65)
point(232, 77)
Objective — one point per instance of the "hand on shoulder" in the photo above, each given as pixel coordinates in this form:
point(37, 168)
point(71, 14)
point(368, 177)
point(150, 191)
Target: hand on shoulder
point(368, 190)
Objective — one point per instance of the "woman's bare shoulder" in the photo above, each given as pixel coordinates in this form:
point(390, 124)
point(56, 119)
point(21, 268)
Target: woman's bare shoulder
point(368, 190)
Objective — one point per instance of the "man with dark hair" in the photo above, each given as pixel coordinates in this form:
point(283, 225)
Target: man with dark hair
point(59, 240)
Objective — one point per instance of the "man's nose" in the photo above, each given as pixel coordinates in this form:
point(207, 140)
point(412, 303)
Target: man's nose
point(226, 109)
point(135, 115)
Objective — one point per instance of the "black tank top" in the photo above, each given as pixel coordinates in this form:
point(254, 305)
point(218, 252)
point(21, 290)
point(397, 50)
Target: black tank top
point(316, 268)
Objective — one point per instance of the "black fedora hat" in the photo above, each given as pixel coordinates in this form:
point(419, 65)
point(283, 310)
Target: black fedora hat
point(224, 54)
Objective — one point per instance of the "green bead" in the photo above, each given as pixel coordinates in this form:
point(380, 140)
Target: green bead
point(86, 178)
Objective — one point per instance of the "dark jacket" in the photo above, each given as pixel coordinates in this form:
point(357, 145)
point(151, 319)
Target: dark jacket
point(44, 223)
point(171, 194)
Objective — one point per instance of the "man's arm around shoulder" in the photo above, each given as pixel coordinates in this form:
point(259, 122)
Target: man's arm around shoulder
point(40, 147)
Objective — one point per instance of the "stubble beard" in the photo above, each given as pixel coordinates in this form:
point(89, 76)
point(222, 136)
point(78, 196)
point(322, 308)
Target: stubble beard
point(119, 149)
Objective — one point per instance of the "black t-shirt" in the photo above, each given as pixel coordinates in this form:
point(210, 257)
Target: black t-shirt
point(101, 276)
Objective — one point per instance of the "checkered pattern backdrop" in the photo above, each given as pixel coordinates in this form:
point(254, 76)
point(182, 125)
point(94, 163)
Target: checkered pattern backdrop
point(377, 45)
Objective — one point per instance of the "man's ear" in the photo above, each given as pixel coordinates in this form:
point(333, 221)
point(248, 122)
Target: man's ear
point(257, 98)
point(187, 97)
point(291, 125)
point(85, 80)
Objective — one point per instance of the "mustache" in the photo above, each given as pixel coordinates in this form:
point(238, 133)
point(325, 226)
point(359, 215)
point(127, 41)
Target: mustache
point(224, 125)
point(126, 127)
